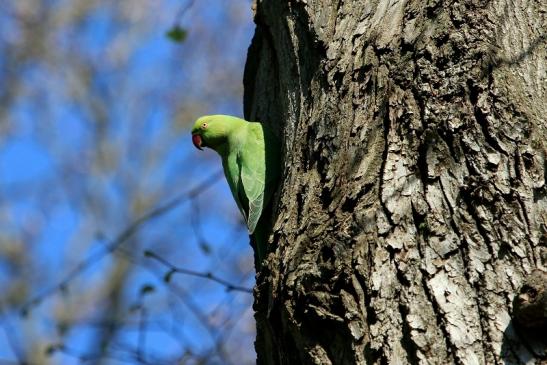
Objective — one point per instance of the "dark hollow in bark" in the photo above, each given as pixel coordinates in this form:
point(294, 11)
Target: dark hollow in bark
point(530, 302)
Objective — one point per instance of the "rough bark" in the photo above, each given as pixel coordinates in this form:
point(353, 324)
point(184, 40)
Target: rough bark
point(413, 203)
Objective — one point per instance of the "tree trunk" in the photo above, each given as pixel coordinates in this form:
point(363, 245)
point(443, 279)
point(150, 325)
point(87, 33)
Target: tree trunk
point(413, 201)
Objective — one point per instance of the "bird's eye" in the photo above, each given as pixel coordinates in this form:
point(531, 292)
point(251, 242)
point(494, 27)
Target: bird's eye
point(204, 126)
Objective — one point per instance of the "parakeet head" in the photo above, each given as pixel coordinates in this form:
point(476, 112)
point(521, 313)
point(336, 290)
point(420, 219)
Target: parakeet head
point(212, 130)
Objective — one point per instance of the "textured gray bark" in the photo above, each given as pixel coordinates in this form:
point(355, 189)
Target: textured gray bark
point(413, 203)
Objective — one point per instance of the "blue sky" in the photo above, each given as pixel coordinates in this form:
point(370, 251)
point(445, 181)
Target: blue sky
point(94, 135)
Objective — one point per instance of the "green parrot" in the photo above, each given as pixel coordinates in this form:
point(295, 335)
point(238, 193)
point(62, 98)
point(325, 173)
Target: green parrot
point(250, 158)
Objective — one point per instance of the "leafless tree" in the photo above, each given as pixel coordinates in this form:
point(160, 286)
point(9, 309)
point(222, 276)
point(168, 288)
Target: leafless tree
point(98, 169)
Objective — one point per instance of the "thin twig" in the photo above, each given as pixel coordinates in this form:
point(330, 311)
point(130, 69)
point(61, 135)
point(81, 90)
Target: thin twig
point(141, 349)
point(125, 235)
point(182, 11)
point(181, 294)
point(206, 275)
point(196, 227)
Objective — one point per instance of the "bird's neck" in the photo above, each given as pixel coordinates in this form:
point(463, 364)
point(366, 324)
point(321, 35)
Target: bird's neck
point(231, 144)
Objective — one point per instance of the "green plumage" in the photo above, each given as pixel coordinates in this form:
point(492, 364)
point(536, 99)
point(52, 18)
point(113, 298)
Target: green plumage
point(250, 158)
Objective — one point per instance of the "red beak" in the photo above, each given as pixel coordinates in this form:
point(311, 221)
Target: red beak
point(196, 140)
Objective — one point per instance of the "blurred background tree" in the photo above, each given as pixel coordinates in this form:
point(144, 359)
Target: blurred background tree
point(97, 168)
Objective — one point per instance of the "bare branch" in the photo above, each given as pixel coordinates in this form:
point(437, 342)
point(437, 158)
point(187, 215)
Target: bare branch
point(125, 235)
point(206, 275)
point(184, 297)
point(182, 11)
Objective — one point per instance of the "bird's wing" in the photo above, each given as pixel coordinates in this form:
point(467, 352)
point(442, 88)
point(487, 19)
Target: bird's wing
point(232, 171)
point(251, 160)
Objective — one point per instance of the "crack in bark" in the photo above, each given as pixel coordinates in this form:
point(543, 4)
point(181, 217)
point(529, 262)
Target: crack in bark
point(528, 244)
point(481, 118)
point(463, 249)
point(483, 316)
point(383, 164)
point(407, 342)
point(371, 355)
point(439, 316)
point(469, 202)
